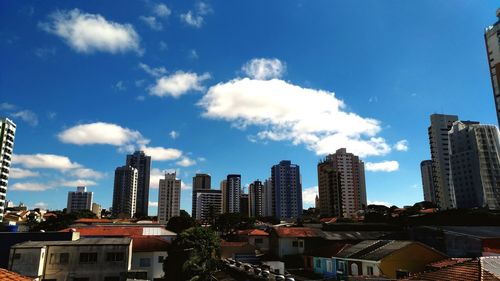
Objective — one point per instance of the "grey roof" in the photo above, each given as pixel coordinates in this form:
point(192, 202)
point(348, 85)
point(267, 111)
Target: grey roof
point(477, 231)
point(79, 242)
point(373, 250)
point(353, 235)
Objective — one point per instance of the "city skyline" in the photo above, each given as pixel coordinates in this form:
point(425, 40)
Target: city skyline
point(73, 131)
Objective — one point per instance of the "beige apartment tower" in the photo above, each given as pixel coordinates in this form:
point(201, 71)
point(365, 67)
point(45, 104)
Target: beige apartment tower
point(169, 196)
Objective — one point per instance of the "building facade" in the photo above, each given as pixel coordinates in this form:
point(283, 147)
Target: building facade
point(439, 144)
point(169, 197)
point(7, 135)
point(223, 189)
point(492, 41)
point(200, 182)
point(142, 163)
point(287, 190)
point(125, 192)
point(79, 200)
point(267, 198)
point(97, 209)
point(233, 191)
point(427, 181)
point(329, 189)
point(209, 204)
point(256, 196)
point(475, 164)
point(244, 205)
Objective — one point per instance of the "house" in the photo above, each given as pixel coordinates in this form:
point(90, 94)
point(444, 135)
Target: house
point(89, 259)
point(148, 254)
point(240, 251)
point(320, 260)
point(256, 237)
point(385, 258)
point(463, 269)
point(460, 241)
point(123, 230)
point(289, 241)
point(12, 276)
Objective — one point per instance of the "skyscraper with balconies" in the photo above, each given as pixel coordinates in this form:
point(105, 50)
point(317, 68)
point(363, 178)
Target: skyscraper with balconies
point(492, 40)
point(233, 192)
point(79, 200)
point(7, 134)
point(287, 190)
point(169, 196)
point(125, 192)
point(201, 182)
point(142, 163)
point(427, 181)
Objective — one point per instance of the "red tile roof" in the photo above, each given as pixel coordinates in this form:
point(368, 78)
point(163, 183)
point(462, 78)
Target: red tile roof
point(465, 271)
point(107, 231)
point(301, 232)
point(447, 262)
point(148, 244)
point(253, 232)
point(89, 220)
point(328, 220)
point(6, 275)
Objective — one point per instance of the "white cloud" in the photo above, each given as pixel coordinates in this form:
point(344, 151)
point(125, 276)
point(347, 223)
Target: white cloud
point(44, 161)
point(44, 53)
point(384, 166)
point(264, 69)
point(151, 22)
point(203, 8)
point(379, 203)
point(186, 162)
point(193, 54)
point(309, 195)
point(27, 116)
point(174, 134)
point(41, 205)
point(161, 153)
point(30, 186)
point(120, 86)
point(100, 133)
point(18, 173)
point(87, 33)
point(192, 19)
point(7, 106)
point(75, 183)
point(315, 118)
point(86, 173)
point(178, 84)
point(401, 145)
point(153, 71)
point(155, 176)
point(185, 186)
point(161, 10)
point(163, 46)
point(153, 204)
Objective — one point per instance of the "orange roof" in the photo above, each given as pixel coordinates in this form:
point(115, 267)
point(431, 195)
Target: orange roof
point(232, 244)
point(6, 275)
point(253, 232)
point(447, 262)
point(328, 220)
point(296, 232)
point(89, 220)
point(428, 211)
point(148, 244)
point(107, 230)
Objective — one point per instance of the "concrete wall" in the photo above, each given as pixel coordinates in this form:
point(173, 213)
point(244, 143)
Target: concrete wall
point(285, 246)
point(155, 269)
point(27, 262)
point(264, 246)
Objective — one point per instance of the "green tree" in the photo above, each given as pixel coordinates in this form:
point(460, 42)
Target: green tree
point(180, 223)
point(192, 256)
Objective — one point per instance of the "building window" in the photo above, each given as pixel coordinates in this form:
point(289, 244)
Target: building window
point(17, 256)
point(88, 257)
point(341, 268)
point(258, 241)
point(295, 244)
point(354, 269)
point(161, 259)
point(115, 256)
point(301, 244)
point(329, 266)
point(63, 258)
point(318, 263)
point(145, 262)
point(369, 270)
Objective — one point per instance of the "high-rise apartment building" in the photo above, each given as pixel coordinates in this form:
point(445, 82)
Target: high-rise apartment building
point(492, 40)
point(125, 192)
point(440, 155)
point(244, 205)
point(97, 209)
point(475, 164)
point(267, 198)
point(208, 204)
point(200, 182)
point(255, 199)
point(287, 190)
point(347, 170)
point(7, 134)
point(169, 197)
point(233, 191)
point(142, 163)
point(223, 189)
point(427, 181)
point(330, 188)
point(79, 200)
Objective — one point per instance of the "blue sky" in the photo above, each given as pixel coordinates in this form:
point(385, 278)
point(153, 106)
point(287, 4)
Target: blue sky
point(234, 87)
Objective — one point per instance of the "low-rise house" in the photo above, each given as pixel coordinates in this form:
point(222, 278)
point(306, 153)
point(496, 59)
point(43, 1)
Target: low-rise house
point(148, 254)
point(463, 269)
point(385, 258)
point(320, 260)
point(256, 237)
point(289, 241)
point(90, 259)
point(241, 251)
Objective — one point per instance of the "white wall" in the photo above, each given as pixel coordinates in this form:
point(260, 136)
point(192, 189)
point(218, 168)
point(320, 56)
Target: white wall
point(155, 270)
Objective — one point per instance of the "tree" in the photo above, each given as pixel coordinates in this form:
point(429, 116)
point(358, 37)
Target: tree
point(183, 213)
point(229, 222)
point(192, 256)
point(180, 223)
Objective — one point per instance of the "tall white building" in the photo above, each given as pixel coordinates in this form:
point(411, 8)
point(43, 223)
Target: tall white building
point(169, 197)
point(125, 192)
point(233, 191)
point(7, 134)
point(492, 40)
point(79, 200)
point(475, 164)
point(427, 181)
point(440, 155)
point(208, 204)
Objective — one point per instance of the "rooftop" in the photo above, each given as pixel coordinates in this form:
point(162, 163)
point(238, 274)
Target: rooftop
point(475, 231)
point(12, 276)
point(481, 269)
point(121, 230)
point(302, 232)
point(149, 244)
point(374, 250)
point(79, 242)
point(253, 232)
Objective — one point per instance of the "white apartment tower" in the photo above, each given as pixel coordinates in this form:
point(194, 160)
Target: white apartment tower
point(492, 40)
point(7, 134)
point(169, 196)
point(125, 192)
point(475, 164)
point(208, 204)
point(440, 155)
point(79, 200)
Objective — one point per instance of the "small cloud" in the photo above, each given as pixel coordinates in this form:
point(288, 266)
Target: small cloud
point(191, 19)
point(201, 159)
point(413, 94)
point(383, 203)
point(203, 8)
point(27, 116)
point(45, 53)
point(309, 195)
point(153, 204)
point(18, 173)
point(153, 71)
point(264, 69)
point(140, 98)
point(151, 22)
point(163, 46)
point(7, 106)
point(401, 145)
point(174, 134)
point(178, 84)
point(193, 54)
point(162, 154)
point(41, 205)
point(186, 162)
point(161, 10)
point(120, 86)
point(30, 186)
point(51, 115)
point(185, 186)
point(384, 166)
point(373, 99)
